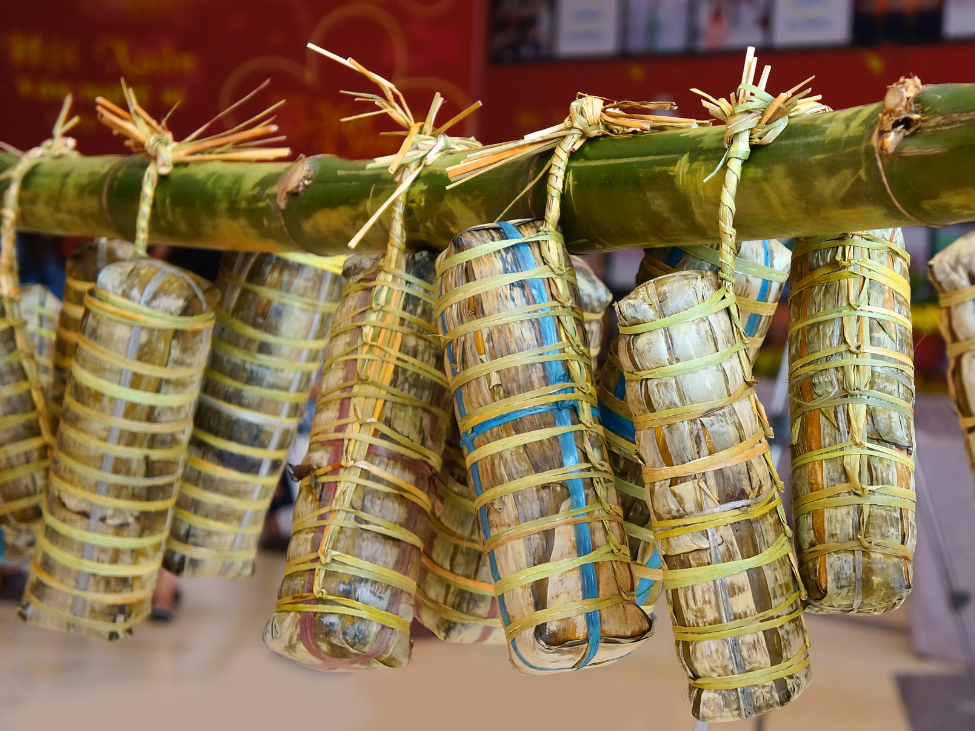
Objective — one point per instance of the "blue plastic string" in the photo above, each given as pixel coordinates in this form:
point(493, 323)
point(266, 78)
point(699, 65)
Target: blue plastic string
point(751, 325)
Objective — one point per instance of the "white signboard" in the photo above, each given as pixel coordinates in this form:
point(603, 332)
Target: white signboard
point(812, 22)
point(588, 27)
point(658, 26)
point(959, 19)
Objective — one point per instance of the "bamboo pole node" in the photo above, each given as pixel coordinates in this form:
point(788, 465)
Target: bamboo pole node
point(154, 139)
point(899, 118)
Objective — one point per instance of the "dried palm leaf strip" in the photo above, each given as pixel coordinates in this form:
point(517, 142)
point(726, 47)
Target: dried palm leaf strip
point(456, 597)
point(272, 326)
point(519, 368)
point(761, 271)
point(81, 270)
point(952, 272)
point(121, 446)
point(714, 497)
point(851, 386)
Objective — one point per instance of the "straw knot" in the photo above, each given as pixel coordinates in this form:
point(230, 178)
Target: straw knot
point(145, 134)
point(159, 146)
point(585, 115)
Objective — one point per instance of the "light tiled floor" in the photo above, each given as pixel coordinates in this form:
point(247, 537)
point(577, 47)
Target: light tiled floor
point(209, 670)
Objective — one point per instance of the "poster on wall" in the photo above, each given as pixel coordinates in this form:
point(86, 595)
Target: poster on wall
point(812, 23)
point(588, 27)
point(724, 25)
point(521, 30)
point(959, 19)
point(658, 26)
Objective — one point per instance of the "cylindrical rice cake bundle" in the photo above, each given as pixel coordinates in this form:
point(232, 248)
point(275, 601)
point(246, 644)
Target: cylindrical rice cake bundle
point(595, 298)
point(617, 422)
point(519, 366)
point(81, 269)
point(761, 270)
point(272, 325)
point(851, 387)
point(23, 452)
point(714, 498)
point(347, 597)
point(121, 445)
point(457, 601)
point(952, 272)
point(40, 310)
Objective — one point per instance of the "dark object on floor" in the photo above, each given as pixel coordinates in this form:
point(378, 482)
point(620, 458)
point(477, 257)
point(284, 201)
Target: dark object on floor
point(160, 613)
point(938, 702)
point(12, 585)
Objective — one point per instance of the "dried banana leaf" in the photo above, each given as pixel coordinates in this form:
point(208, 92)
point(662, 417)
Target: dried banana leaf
point(40, 310)
point(714, 498)
point(272, 326)
point(595, 297)
point(761, 270)
point(121, 445)
point(23, 452)
point(347, 597)
point(617, 422)
point(455, 599)
point(519, 366)
point(851, 389)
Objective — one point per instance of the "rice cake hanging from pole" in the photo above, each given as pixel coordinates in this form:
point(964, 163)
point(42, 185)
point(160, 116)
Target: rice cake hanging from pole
point(272, 326)
point(456, 599)
point(120, 450)
point(455, 595)
point(520, 372)
point(347, 597)
point(714, 498)
point(851, 386)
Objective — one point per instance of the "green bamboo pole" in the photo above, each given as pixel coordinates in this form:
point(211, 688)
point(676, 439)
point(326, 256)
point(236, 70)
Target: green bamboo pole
point(821, 176)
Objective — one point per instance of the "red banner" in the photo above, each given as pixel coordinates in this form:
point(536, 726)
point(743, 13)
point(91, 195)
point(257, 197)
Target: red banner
point(205, 54)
